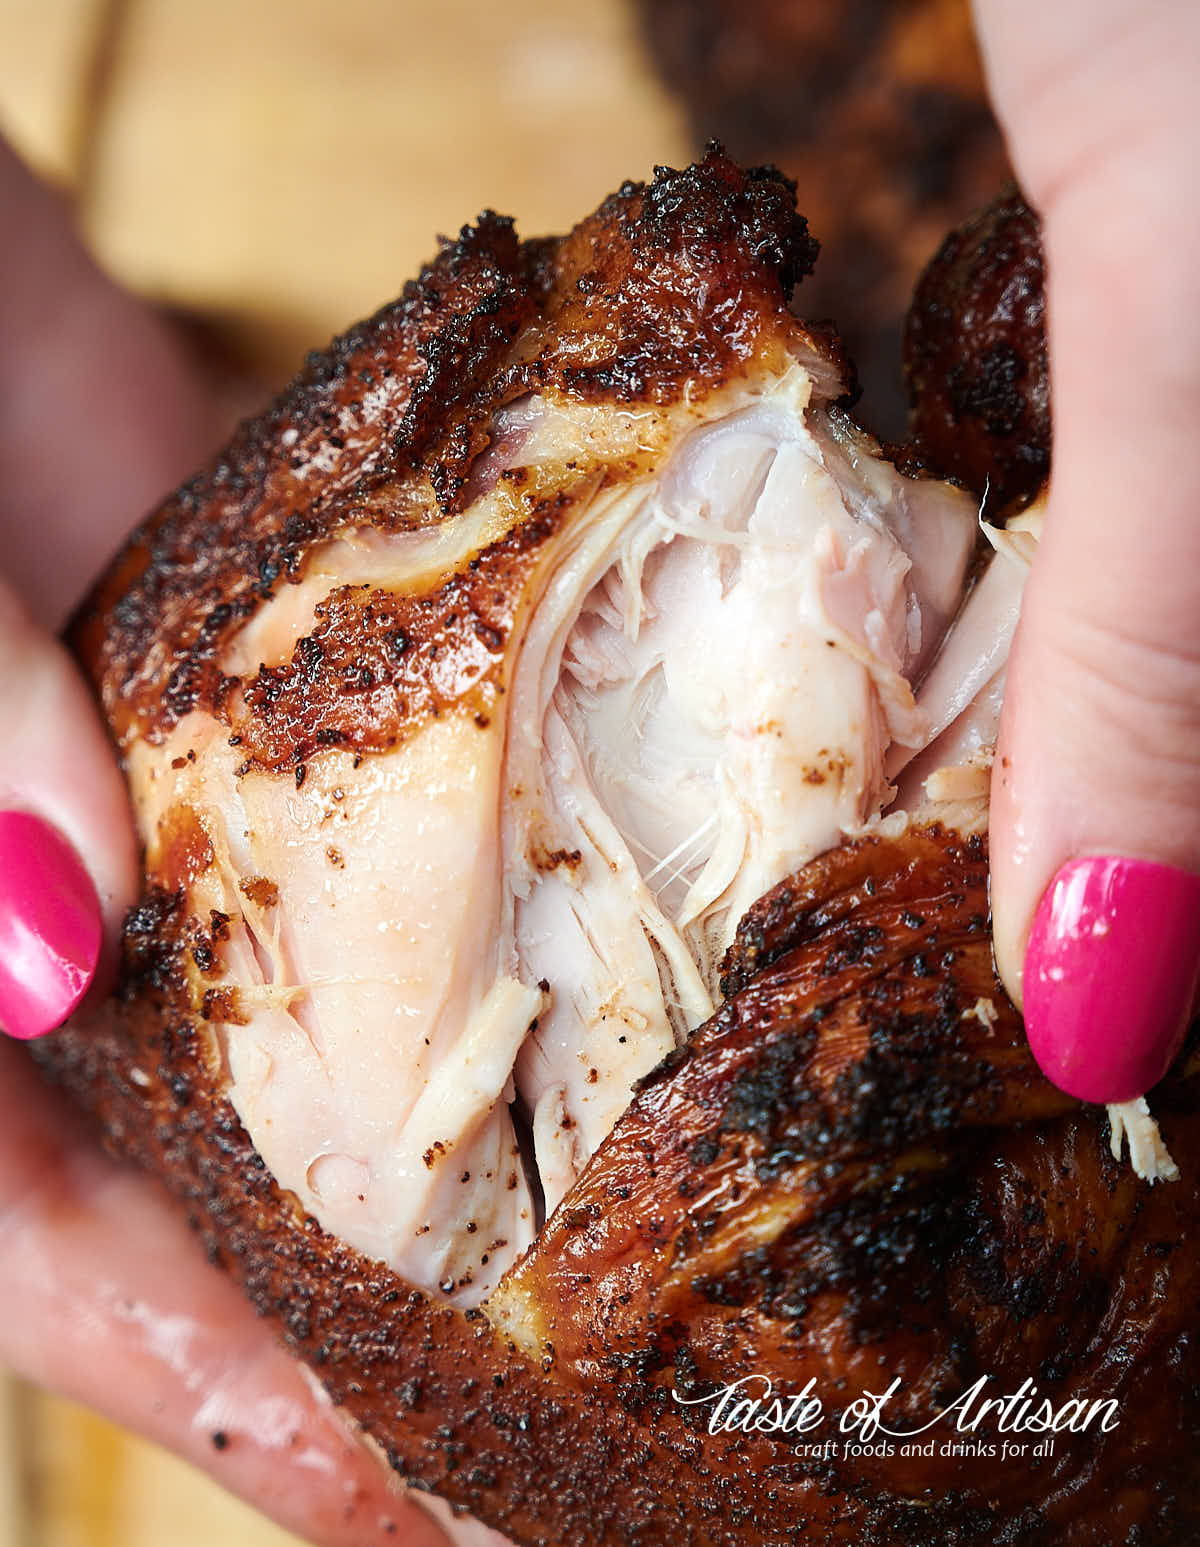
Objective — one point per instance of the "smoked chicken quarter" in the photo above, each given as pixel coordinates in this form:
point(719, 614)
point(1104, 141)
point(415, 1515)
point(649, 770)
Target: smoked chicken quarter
point(559, 737)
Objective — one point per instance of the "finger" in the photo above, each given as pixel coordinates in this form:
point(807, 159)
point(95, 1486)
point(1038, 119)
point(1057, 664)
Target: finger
point(1096, 790)
point(106, 1296)
point(68, 859)
point(100, 410)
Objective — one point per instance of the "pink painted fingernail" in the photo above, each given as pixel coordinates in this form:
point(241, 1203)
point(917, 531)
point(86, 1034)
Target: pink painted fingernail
point(1111, 972)
point(50, 926)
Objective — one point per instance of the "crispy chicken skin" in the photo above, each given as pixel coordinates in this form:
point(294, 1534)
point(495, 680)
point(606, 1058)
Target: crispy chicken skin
point(570, 524)
point(975, 355)
point(666, 290)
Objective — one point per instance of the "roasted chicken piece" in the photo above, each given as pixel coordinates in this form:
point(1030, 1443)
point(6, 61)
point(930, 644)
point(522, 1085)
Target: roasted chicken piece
point(563, 985)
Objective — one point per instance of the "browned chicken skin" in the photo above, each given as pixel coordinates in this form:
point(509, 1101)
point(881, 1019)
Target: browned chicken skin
point(851, 1173)
point(975, 355)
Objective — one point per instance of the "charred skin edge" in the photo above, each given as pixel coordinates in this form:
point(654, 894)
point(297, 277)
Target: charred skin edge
point(396, 411)
point(975, 356)
point(1013, 1244)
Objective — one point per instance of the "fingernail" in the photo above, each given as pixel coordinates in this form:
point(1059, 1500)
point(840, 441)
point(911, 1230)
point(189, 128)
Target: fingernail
point(50, 926)
point(1111, 972)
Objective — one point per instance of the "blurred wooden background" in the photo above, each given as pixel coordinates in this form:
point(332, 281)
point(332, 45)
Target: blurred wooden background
point(274, 169)
point(281, 167)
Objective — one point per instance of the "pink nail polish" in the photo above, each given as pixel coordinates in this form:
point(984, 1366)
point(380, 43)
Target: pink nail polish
point(50, 926)
point(1111, 972)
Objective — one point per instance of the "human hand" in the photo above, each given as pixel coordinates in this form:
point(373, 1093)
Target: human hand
point(104, 1293)
point(1096, 786)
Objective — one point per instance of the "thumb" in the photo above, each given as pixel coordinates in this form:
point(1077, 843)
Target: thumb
point(1096, 786)
point(68, 864)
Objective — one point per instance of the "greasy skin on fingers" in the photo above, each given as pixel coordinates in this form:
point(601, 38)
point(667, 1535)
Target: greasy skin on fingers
point(530, 1000)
